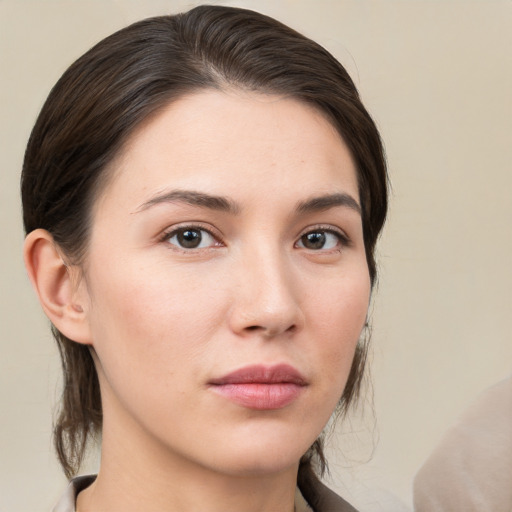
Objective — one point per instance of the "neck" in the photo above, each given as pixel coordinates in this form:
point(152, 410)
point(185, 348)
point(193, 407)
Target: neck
point(138, 473)
point(138, 488)
point(124, 494)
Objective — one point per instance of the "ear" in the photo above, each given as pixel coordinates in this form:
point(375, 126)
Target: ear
point(62, 294)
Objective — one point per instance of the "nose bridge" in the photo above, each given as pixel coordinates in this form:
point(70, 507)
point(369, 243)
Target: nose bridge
point(272, 275)
point(266, 298)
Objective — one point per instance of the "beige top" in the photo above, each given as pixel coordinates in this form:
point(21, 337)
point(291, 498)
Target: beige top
point(68, 501)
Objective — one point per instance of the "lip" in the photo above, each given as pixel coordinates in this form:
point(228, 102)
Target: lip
point(261, 387)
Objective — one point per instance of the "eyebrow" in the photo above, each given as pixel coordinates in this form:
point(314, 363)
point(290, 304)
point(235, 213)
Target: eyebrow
point(224, 204)
point(193, 198)
point(320, 203)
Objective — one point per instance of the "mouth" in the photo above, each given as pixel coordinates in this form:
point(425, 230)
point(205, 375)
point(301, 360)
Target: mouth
point(261, 387)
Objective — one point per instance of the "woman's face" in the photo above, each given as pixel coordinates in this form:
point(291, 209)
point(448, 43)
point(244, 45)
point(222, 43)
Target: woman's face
point(226, 283)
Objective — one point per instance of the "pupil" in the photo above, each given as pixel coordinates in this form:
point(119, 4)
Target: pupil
point(314, 240)
point(189, 238)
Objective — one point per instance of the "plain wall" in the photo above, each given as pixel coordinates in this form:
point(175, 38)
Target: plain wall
point(437, 77)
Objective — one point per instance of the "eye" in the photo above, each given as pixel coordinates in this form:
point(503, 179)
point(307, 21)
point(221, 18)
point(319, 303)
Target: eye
point(321, 239)
point(190, 237)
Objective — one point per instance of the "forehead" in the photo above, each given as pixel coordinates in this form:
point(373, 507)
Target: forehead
point(227, 142)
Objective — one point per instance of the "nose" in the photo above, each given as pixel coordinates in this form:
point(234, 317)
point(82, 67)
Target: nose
point(266, 299)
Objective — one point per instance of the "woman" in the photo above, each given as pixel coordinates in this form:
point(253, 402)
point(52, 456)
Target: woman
point(202, 196)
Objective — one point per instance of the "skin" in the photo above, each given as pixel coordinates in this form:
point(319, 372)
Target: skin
point(164, 320)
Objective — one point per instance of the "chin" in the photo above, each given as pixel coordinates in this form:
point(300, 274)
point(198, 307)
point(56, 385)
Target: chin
point(264, 458)
point(269, 464)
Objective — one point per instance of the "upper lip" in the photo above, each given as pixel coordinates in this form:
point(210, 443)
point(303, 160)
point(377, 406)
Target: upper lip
point(261, 374)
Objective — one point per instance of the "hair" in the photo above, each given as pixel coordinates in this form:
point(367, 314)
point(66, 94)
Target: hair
point(132, 75)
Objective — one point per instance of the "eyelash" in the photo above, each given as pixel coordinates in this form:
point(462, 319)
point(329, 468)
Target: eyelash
point(343, 239)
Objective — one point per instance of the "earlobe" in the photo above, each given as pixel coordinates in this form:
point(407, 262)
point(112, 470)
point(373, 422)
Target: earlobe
point(57, 286)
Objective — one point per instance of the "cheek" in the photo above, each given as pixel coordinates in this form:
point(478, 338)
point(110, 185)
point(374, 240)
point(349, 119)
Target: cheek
point(152, 327)
point(152, 319)
point(341, 316)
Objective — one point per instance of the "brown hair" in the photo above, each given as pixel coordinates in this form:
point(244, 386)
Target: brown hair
point(133, 74)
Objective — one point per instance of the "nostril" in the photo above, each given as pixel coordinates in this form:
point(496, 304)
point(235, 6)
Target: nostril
point(270, 332)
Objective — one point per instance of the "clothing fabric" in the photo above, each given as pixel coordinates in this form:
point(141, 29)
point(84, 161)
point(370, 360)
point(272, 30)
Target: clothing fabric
point(301, 505)
point(321, 499)
point(67, 503)
point(471, 469)
point(325, 499)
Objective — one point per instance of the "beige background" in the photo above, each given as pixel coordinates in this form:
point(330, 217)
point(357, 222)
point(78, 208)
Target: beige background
point(437, 76)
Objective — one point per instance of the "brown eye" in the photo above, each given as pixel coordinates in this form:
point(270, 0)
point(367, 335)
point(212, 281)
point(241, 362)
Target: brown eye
point(191, 238)
point(320, 239)
point(313, 240)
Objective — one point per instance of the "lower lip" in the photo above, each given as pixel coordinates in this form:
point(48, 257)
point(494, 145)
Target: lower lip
point(260, 396)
